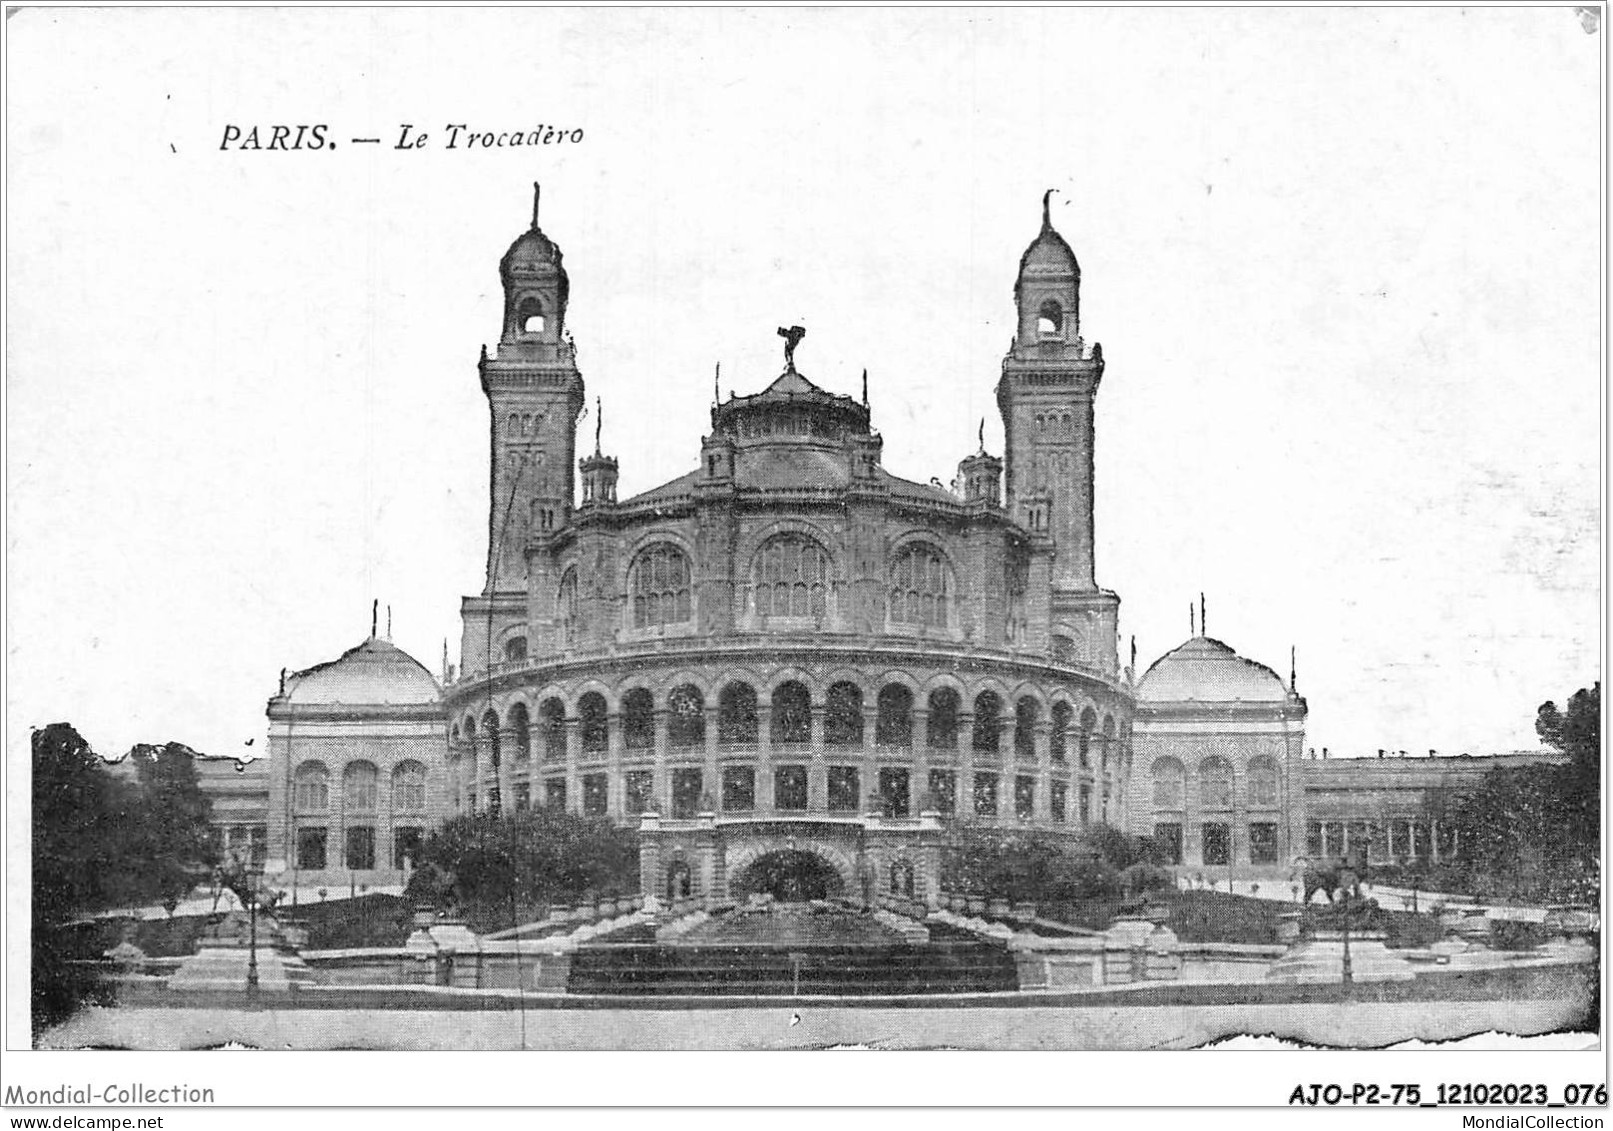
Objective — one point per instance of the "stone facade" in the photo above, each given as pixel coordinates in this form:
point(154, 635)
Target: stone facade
point(357, 768)
point(790, 636)
point(790, 649)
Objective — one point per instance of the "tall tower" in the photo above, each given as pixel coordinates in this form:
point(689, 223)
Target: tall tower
point(1049, 382)
point(534, 394)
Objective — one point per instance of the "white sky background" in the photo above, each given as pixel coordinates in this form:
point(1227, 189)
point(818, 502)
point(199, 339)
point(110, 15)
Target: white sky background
point(1343, 265)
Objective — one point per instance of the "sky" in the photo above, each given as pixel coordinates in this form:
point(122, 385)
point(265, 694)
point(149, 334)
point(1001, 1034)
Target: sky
point(1343, 265)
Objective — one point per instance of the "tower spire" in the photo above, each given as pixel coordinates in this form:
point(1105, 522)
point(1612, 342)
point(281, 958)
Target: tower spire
point(1293, 680)
point(1047, 209)
point(1192, 625)
point(389, 622)
point(865, 386)
point(982, 435)
point(716, 385)
point(1204, 627)
point(375, 610)
point(537, 192)
point(599, 421)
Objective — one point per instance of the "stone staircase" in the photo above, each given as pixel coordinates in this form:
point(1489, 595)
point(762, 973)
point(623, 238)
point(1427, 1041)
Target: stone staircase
point(783, 969)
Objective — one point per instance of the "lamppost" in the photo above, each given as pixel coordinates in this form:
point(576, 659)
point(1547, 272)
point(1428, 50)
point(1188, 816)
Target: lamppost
point(1348, 881)
point(253, 890)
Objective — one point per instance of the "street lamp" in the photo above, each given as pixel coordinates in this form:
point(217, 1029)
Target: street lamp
point(253, 890)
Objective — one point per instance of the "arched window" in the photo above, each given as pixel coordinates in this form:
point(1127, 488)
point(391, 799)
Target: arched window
point(490, 735)
point(1106, 743)
point(1262, 782)
point(943, 728)
point(313, 787)
point(638, 720)
point(1083, 740)
point(1215, 783)
point(1061, 729)
point(594, 722)
point(409, 787)
point(920, 587)
point(1050, 319)
point(988, 713)
point(360, 788)
point(660, 587)
point(843, 715)
point(736, 715)
point(686, 717)
point(567, 607)
point(1168, 777)
point(521, 726)
point(553, 714)
point(515, 648)
point(1027, 713)
point(792, 578)
point(530, 316)
point(894, 723)
point(792, 715)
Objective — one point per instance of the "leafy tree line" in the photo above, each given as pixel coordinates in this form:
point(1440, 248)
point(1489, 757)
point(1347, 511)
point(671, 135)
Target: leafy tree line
point(100, 842)
point(1024, 865)
point(497, 869)
point(1534, 833)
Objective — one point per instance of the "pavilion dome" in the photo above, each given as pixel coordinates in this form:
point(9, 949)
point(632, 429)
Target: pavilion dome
point(376, 673)
point(1204, 670)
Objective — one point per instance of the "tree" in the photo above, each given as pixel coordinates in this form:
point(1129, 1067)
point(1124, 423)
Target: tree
point(1534, 832)
point(73, 802)
point(495, 865)
point(100, 842)
point(1577, 733)
point(173, 838)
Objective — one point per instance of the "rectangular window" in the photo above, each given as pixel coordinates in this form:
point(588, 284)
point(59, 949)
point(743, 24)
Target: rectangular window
point(1400, 838)
point(1262, 842)
point(1058, 799)
point(554, 794)
point(843, 791)
point(790, 789)
point(311, 849)
point(640, 788)
point(944, 791)
point(1024, 796)
point(1421, 845)
point(738, 789)
point(985, 795)
point(595, 795)
point(893, 790)
point(1445, 841)
point(1086, 804)
point(523, 797)
point(1168, 842)
point(1332, 838)
point(406, 841)
point(687, 789)
point(1313, 838)
point(1360, 838)
point(1216, 844)
point(361, 848)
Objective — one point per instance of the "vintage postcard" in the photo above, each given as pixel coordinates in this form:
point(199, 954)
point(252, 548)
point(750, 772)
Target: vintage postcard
point(580, 530)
